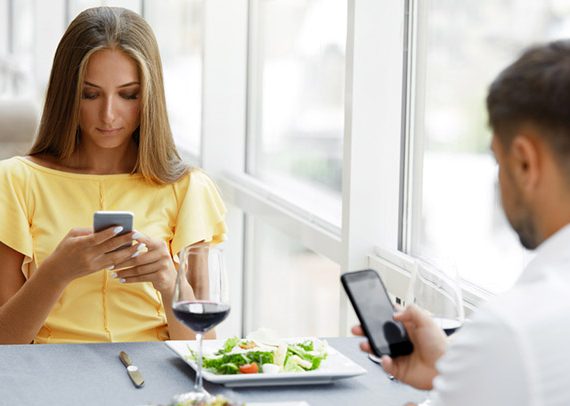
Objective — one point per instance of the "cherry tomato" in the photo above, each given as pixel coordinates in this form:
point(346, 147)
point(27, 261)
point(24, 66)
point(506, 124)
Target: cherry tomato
point(249, 368)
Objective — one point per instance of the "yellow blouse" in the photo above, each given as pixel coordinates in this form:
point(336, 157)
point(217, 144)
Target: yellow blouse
point(38, 207)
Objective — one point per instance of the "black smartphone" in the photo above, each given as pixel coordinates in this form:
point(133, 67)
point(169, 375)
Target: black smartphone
point(105, 219)
point(375, 310)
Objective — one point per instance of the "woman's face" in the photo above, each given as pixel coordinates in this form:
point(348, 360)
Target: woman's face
point(109, 111)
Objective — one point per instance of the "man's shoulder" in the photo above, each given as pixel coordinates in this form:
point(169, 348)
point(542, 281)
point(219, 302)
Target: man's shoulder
point(510, 349)
point(525, 333)
point(527, 309)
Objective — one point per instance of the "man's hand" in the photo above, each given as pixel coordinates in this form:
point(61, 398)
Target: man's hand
point(418, 368)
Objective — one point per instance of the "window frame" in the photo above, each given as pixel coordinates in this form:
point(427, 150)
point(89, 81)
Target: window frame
point(396, 266)
point(378, 136)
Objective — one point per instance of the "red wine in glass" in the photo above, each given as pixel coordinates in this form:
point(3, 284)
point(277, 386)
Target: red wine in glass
point(201, 316)
point(200, 300)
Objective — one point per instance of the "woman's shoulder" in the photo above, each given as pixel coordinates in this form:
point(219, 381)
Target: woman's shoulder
point(24, 167)
point(195, 179)
point(196, 184)
point(12, 162)
point(15, 175)
point(26, 163)
point(13, 166)
point(51, 170)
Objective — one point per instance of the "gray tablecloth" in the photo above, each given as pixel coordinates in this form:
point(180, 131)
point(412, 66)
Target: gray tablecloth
point(92, 374)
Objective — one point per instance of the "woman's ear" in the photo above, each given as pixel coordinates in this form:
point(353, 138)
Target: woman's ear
point(524, 162)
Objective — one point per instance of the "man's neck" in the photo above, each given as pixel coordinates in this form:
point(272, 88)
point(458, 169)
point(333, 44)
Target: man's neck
point(552, 208)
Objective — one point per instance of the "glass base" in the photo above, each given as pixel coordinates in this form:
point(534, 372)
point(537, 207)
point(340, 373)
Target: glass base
point(191, 398)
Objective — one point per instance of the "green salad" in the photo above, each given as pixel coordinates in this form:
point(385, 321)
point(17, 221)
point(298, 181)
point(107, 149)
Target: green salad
point(248, 356)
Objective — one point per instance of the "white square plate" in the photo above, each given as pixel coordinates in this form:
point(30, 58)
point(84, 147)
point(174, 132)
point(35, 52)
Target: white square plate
point(336, 366)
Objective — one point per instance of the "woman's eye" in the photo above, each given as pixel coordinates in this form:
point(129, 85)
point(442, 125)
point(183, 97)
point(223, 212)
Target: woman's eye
point(130, 96)
point(89, 96)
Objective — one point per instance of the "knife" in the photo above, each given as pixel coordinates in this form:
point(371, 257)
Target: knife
point(132, 370)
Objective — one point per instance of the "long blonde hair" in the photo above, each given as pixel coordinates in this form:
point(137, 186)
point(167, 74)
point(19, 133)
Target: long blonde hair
point(109, 28)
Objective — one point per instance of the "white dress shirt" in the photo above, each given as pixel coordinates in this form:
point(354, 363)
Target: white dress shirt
point(516, 349)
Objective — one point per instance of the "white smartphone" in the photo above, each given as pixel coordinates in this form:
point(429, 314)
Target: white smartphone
point(105, 219)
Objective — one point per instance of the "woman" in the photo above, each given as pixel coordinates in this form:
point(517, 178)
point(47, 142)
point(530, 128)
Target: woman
point(104, 143)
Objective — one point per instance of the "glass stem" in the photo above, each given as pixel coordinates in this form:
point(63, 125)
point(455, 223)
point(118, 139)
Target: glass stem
point(198, 383)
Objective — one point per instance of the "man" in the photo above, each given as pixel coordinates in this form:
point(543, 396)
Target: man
point(516, 349)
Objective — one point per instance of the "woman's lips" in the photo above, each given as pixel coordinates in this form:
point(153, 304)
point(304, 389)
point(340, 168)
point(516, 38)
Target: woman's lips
point(108, 130)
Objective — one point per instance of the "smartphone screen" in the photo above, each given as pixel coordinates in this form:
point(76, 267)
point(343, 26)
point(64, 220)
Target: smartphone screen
point(105, 219)
point(374, 310)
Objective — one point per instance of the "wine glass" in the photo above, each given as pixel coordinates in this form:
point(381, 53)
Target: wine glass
point(201, 299)
point(437, 290)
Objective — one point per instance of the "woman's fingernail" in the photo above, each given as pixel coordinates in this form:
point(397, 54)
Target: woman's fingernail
point(141, 246)
point(137, 235)
point(113, 274)
point(117, 229)
point(122, 280)
point(111, 268)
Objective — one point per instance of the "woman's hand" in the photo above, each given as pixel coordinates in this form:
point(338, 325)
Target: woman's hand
point(151, 262)
point(418, 368)
point(82, 252)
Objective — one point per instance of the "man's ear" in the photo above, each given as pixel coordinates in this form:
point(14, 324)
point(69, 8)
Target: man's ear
point(524, 162)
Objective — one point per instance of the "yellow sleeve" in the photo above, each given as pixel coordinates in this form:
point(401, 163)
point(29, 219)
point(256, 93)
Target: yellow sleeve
point(14, 208)
point(201, 213)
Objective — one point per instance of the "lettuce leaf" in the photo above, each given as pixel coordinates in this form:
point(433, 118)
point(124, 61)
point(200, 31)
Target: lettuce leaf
point(229, 344)
point(229, 363)
point(315, 357)
point(292, 365)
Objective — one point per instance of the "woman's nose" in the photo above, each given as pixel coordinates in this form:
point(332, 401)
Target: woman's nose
point(108, 111)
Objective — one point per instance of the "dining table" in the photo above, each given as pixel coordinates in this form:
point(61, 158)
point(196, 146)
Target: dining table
point(92, 374)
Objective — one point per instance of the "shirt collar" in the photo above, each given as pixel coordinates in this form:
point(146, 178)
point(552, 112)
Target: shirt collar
point(553, 251)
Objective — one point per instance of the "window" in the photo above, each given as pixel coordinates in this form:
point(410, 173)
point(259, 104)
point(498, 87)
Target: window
point(296, 100)
point(178, 28)
point(456, 210)
point(292, 290)
point(77, 6)
point(5, 24)
point(16, 49)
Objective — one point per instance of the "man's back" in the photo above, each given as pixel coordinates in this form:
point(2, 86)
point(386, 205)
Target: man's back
point(515, 350)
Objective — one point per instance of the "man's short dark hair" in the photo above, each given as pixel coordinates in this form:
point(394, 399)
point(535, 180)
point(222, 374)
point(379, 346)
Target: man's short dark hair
point(535, 90)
